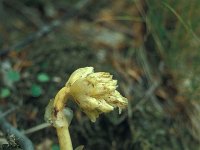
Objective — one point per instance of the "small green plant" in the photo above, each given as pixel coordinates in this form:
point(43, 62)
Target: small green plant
point(13, 75)
point(36, 90)
point(43, 77)
point(5, 92)
point(95, 93)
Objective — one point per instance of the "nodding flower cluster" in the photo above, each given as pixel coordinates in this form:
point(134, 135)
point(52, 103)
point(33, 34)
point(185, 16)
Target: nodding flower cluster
point(94, 92)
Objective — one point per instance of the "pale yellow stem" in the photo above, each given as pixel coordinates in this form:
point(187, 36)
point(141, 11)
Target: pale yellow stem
point(64, 138)
point(62, 132)
point(61, 98)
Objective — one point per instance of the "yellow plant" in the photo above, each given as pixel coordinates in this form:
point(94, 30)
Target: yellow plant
point(95, 93)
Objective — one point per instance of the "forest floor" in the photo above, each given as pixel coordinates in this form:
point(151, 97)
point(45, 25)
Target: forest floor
point(151, 48)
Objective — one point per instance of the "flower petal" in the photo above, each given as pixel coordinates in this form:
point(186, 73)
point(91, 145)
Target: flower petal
point(78, 74)
point(115, 99)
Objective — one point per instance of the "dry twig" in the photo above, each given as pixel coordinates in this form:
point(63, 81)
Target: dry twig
point(43, 31)
point(21, 139)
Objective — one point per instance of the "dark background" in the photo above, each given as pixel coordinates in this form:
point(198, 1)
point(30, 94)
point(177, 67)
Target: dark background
point(151, 47)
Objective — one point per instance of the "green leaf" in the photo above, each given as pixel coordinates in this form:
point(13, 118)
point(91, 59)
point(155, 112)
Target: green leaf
point(13, 75)
point(55, 147)
point(5, 92)
point(36, 90)
point(43, 77)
